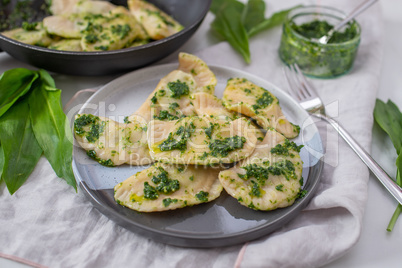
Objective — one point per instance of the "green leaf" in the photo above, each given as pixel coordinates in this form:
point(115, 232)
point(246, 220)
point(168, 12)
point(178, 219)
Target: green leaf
point(21, 150)
point(389, 118)
point(276, 19)
point(46, 78)
point(399, 169)
point(14, 84)
point(229, 25)
point(253, 14)
point(52, 129)
point(1, 162)
point(394, 218)
point(218, 5)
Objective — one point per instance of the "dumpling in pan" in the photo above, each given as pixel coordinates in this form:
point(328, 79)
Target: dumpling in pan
point(157, 23)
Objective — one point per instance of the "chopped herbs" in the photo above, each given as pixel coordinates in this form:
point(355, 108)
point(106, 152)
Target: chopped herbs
point(29, 26)
point(165, 115)
point(263, 101)
point(121, 30)
point(163, 185)
point(255, 189)
point(255, 171)
point(202, 196)
point(150, 192)
point(154, 99)
point(91, 38)
point(174, 106)
point(225, 146)
point(284, 167)
point(301, 194)
point(82, 121)
point(106, 163)
point(208, 131)
point(178, 89)
point(280, 149)
point(184, 132)
point(96, 127)
point(279, 187)
point(319, 28)
point(168, 201)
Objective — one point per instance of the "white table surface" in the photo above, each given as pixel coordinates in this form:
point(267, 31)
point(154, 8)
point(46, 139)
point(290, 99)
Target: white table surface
point(376, 247)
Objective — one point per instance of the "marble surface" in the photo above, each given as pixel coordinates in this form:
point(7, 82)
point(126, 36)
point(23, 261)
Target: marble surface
point(376, 247)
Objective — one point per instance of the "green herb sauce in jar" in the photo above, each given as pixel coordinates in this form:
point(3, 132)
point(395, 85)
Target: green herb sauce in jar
point(298, 43)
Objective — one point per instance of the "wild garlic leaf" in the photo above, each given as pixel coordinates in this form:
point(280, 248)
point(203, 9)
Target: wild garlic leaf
point(1, 162)
point(276, 19)
point(399, 169)
point(21, 150)
point(229, 25)
point(218, 5)
point(14, 84)
point(52, 129)
point(389, 118)
point(253, 14)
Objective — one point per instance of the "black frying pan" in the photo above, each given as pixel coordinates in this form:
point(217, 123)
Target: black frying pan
point(190, 13)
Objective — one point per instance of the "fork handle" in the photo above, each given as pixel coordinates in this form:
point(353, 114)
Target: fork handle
point(384, 178)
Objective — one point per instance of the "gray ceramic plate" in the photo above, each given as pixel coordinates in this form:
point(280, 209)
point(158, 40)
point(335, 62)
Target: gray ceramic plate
point(221, 222)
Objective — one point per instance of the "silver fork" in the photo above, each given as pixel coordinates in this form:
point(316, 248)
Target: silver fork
point(306, 95)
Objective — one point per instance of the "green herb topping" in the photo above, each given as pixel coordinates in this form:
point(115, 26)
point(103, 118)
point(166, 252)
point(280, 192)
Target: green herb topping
point(280, 149)
point(106, 163)
point(168, 201)
point(284, 167)
point(263, 101)
point(29, 26)
point(208, 131)
point(96, 127)
point(178, 89)
point(255, 189)
point(279, 187)
point(224, 147)
point(183, 133)
point(150, 192)
point(319, 28)
point(164, 184)
point(202, 196)
point(165, 115)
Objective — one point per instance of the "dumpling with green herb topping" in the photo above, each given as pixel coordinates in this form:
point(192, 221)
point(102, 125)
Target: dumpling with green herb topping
point(209, 105)
point(270, 178)
point(166, 187)
point(67, 45)
point(172, 97)
point(201, 140)
point(110, 31)
point(157, 23)
point(204, 78)
point(31, 34)
point(112, 143)
point(245, 97)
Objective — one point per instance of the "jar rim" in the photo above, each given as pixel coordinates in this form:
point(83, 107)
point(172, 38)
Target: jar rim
point(341, 15)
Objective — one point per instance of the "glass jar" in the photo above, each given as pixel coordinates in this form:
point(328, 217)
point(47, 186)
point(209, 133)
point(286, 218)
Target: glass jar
point(316, 59)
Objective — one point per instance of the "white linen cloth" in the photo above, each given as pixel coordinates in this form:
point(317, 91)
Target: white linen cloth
point(47, 224)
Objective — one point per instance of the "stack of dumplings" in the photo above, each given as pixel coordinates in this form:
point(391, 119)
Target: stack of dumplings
point(199, 144)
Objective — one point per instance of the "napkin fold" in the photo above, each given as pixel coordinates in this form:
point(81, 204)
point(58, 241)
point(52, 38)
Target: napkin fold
point(46, 223)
